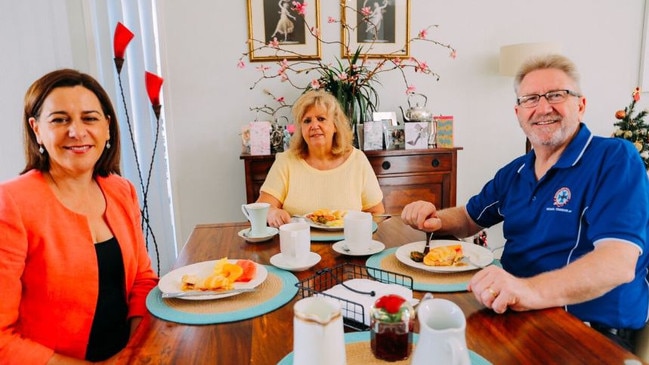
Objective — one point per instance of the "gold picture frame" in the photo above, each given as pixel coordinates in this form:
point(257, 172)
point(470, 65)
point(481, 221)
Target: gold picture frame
point(268, 19)
point(383, 33)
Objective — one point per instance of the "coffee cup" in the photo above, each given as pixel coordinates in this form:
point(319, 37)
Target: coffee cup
point(257, 213)
point(295, 242)
point(358, 231)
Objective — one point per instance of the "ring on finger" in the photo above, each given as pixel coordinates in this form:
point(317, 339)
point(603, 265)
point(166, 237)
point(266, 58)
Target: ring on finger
point(493, 293)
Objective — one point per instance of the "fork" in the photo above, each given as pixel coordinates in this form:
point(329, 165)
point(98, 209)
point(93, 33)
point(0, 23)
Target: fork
point(427, 247)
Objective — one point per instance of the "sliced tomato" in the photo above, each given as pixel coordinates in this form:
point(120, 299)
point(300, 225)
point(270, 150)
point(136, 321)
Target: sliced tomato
point(249, 270)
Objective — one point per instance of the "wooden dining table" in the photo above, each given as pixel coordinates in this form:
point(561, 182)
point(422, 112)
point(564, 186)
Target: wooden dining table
point(549, 336)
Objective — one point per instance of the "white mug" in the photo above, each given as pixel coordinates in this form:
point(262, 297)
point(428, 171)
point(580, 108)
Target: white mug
point(295, 241)
point(318, 335)
point(442, 338)
point(358, 231)
point(257, 213)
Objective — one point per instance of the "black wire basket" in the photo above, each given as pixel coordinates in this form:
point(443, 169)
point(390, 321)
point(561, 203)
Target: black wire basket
point(327, 278)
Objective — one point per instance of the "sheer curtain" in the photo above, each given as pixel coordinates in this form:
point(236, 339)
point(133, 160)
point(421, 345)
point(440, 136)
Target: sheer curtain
point(138, 124)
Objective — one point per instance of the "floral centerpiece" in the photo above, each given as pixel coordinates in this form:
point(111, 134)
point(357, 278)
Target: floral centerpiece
point(351, 79)
point(632, 127)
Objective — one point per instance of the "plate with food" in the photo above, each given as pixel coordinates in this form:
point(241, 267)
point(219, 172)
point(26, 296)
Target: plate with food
point(445, 256)
point(326, 219)
point(228, 276)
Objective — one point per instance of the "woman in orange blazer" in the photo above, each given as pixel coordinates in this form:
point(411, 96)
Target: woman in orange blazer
point(73, 264)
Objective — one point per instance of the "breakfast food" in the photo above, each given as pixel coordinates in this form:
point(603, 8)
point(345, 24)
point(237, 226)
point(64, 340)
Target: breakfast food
point(449, 255)
point(327, 217)
point(223, 277)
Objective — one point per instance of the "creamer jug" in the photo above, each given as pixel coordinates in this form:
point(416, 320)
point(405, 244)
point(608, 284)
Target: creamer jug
point(442, 339)
point(318, 336)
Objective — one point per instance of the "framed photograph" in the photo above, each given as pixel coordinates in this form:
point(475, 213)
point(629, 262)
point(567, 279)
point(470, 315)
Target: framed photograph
point(382, 33)
point(394, 136)
point(391, 116)
point(270, 19)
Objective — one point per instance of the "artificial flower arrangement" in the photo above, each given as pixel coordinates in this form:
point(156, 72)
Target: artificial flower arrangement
point(632, 127)
point(351, 79)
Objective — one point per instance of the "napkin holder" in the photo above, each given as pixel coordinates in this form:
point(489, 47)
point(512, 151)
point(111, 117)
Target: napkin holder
point(325, 279)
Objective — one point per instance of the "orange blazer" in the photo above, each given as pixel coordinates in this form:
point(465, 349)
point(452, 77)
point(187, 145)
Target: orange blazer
point(48, 267)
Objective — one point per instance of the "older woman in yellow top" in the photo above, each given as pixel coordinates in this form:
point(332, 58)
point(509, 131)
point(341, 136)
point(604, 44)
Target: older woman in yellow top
point(321, 169)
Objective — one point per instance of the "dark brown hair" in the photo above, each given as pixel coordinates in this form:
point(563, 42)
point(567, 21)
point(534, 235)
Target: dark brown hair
point(37, 93)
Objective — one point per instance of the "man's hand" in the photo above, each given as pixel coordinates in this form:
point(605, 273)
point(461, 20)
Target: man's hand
point(421, 215)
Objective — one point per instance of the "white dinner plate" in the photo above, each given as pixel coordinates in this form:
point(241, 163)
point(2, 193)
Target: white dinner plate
point(478, 255)
point(375, 247)
point(172, 281)
point(321, 226)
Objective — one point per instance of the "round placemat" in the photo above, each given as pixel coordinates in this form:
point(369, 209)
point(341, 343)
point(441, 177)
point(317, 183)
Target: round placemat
point(422, 280)
point(278, 289)
point(357, 350)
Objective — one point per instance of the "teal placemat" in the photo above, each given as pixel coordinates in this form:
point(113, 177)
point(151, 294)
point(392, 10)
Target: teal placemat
point(319, 235)
point(354, 357)
point(422, 280)
point(278, 289)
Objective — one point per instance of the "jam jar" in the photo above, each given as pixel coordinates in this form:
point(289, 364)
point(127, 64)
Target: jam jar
point(392, 321)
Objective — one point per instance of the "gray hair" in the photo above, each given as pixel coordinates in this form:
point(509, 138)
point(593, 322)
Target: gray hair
point(554, 61)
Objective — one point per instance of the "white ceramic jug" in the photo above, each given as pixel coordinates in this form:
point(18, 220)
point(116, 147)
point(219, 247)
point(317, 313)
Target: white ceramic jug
point(442, 339)
point(318, 336)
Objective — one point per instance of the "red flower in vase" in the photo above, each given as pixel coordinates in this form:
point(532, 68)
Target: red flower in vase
point(391, 303)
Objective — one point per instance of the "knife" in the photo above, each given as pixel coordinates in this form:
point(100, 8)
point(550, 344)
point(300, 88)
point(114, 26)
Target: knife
point(201, 293)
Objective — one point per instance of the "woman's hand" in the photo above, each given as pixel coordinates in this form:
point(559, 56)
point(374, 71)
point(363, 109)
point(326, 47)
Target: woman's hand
point(277, 217)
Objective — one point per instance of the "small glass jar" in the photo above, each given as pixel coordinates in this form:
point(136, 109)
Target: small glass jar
point(392, 321)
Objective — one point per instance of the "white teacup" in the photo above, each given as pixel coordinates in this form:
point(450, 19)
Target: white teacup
point(295, 242)
point(257, 213)
point(358, 231)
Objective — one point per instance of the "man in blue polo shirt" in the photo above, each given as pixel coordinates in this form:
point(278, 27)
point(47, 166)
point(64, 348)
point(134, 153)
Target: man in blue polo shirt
point(575, 213)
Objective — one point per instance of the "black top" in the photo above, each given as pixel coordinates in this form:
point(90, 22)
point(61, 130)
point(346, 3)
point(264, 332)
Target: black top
point(110, 329)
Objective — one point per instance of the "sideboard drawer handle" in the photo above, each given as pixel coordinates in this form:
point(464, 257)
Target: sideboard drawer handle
point(386, 165)
point(435, 162)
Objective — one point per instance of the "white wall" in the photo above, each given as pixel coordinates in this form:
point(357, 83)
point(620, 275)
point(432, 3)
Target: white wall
point(207, 97)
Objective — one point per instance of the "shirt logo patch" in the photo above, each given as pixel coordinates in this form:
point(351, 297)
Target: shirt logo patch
point(562, 197)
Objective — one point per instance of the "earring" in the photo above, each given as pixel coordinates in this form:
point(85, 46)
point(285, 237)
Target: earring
point(108, 144)
point(41, 149)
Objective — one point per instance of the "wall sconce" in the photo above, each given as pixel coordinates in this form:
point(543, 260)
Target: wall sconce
point(512, 56)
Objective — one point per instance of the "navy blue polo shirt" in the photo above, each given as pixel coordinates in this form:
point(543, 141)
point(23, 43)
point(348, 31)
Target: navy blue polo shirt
point(597, 190)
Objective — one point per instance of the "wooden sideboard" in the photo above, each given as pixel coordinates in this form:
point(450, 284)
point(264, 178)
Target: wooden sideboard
point(404, 175)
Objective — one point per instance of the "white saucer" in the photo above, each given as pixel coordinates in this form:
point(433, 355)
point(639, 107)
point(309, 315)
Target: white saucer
point(375, 247)
point(310, 261)
point(270, 233)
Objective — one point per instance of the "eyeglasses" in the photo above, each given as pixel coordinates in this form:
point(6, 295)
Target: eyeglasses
point(553, 97)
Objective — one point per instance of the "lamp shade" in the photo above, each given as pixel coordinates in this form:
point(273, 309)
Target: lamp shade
point(514, 55)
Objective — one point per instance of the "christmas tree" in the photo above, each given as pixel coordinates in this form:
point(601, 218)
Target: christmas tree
point(633, 127)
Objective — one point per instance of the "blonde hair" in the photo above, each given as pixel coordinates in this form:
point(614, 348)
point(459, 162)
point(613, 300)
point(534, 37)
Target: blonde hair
point(550, 61)
point(342, 140)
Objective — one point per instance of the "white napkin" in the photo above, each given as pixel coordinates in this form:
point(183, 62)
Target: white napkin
point(366, 285)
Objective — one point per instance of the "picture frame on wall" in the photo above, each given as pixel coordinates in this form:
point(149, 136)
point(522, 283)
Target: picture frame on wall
point(383, 33)
point(269, 19)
